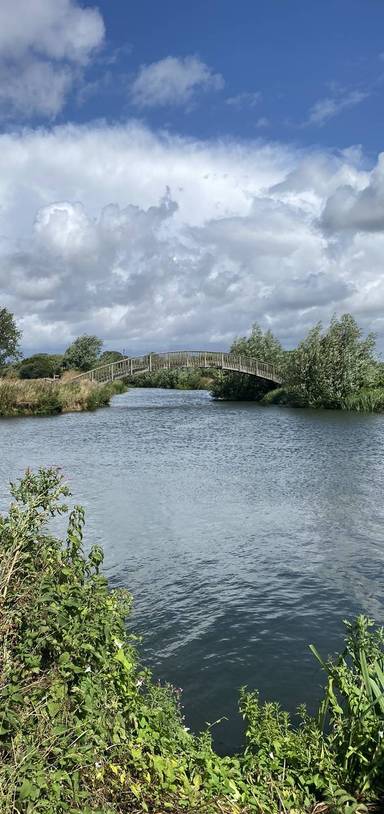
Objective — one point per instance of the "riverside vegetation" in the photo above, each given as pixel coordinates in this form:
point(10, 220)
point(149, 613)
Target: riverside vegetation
point(39, 385)
point(84, 728)
point(332, 368)
point(39, 397)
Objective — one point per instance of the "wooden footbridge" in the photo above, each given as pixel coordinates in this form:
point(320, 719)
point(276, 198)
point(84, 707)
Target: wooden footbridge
point(152, 362)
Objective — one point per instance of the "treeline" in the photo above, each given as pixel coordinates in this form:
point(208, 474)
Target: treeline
point(334, 367)
point(83, 354)
point(177, 379)
point(84, 728)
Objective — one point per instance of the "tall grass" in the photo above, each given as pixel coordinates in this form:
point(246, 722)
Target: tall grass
point(39, 397)
point(367, 400)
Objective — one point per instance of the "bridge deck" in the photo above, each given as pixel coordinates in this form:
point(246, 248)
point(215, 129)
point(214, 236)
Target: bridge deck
point(181, 359)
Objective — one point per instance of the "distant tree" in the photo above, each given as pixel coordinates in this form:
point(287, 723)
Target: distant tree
point(261, 345)
point(41, 366)
point(110, 356)
point(329, 366)
point(9, 338)
point(83, 354)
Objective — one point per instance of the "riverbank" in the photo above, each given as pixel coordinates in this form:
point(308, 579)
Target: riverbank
point(40, 397)
point(84, 728)
point(366, 400)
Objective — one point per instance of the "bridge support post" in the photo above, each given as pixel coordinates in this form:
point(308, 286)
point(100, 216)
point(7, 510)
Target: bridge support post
point(112, 371)
point(150, 362)
point(131, 366)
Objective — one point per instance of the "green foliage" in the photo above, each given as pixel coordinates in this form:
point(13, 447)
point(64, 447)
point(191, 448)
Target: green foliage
point(100, 395)
point(41, 366)
point(9, 338)
point(330, 366)
point(338, 756)
point(82, 726)
point(110, 356)
point(367, 400)
point(177, 379)
point(260, 345)
point(84, 729)
point(83, 353)
point(277, 396)
point(352, 711)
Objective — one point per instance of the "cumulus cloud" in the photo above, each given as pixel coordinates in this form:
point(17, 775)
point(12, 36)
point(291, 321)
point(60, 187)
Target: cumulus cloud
point(43, 46)
point(354, 209)
point(93, 241)
point(331, 106)
point(173, 81)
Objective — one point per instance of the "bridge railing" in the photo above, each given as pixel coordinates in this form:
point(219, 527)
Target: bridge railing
point(180, 359)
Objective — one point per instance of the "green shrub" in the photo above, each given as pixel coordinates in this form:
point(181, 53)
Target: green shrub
point(277, 396)
point(41, 366)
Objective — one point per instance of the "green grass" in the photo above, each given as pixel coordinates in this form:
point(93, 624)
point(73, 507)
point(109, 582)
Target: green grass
point(39, 397)
point(84, 729)
point(368, 400)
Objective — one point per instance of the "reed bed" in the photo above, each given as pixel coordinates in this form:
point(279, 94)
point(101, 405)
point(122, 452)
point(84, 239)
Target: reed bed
point(42, 397)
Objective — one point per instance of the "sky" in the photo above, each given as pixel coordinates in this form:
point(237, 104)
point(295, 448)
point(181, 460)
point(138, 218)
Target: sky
point(172, 172)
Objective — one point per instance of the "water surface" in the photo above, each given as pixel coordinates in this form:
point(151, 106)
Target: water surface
point(244, 532)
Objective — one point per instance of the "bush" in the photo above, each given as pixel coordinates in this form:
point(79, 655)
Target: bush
point(41, 366)
point(240, 387)
point(330, 366)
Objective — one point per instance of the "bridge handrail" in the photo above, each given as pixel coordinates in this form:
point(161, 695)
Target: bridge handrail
point(129, 365)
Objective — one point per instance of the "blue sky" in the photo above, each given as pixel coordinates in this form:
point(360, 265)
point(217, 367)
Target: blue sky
point(172, 172)
point(287, 56)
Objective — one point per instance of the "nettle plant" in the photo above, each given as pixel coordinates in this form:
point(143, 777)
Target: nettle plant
point(84, 728)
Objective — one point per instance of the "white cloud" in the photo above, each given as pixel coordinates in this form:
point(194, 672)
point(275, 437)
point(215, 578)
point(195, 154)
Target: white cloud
point(331, 106)
point(244, 100)
point(357, 209)
point(43, 46)
point(92, 242)
point(36, 88)
point(173, 81)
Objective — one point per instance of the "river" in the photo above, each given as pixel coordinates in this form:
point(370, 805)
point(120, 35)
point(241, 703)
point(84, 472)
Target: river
point(244, 533)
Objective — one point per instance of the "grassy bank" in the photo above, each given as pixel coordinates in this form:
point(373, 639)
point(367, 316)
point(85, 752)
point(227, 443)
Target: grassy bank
point(39, 397)
point(85, 729)
point(367, 400)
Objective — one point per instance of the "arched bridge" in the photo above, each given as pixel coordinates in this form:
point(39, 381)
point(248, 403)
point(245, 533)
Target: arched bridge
point(130, 365)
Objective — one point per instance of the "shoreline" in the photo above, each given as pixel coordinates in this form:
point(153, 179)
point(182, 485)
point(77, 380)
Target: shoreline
point(39, 397)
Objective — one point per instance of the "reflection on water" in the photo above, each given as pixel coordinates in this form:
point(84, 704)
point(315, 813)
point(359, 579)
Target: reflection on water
point(244, 533)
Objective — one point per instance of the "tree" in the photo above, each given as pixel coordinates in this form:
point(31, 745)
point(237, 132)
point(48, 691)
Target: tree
point(262, 346)
point(41, 366)
point(83, 354)
point(9, 338)
point(110, 356)
point(329, 366)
